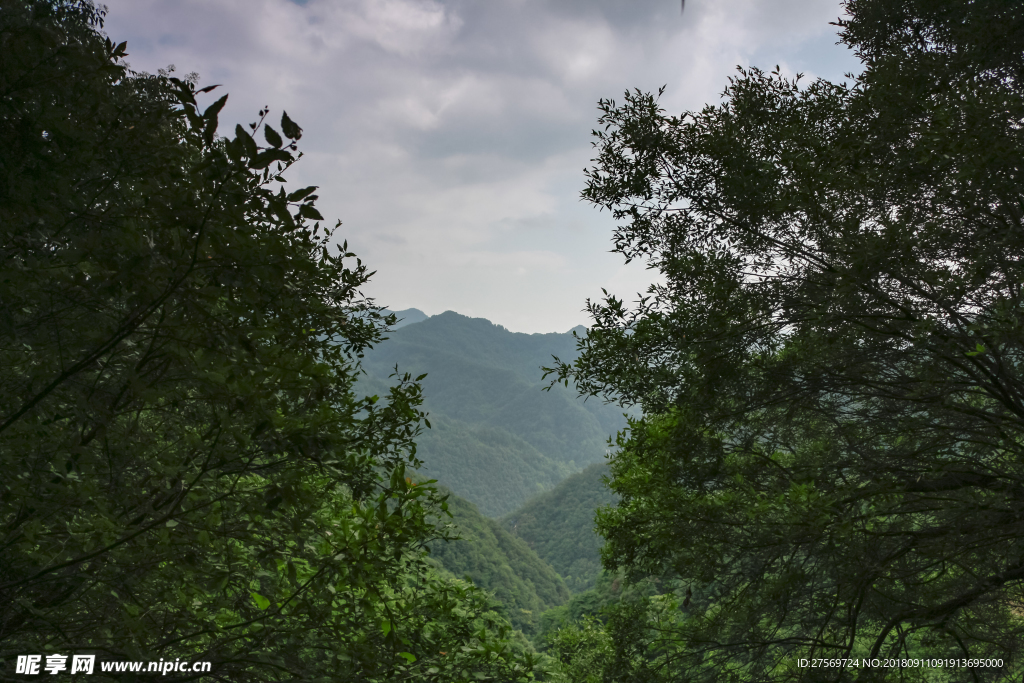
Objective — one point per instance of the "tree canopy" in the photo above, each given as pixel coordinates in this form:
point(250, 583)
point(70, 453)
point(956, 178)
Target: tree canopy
point(188, 472)
point(832, 372)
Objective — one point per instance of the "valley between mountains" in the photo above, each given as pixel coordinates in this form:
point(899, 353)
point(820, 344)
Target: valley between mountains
point(524, 466)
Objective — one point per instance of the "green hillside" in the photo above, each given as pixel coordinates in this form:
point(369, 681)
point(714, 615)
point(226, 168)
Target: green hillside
point(500, 438)
point(559, 526)
point(505, 468)
point(495, 560)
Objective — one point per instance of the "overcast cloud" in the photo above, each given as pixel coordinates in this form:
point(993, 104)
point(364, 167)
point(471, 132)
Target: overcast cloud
point(449, 136)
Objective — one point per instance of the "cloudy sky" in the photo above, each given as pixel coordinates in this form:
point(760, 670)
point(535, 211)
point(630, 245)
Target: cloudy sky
point(450, 136)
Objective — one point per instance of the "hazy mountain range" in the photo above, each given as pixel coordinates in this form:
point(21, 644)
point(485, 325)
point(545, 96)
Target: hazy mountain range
point(497, 438)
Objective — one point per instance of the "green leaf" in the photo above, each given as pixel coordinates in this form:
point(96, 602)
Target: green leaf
point(261, 601)
point(250, 146)
point(183, 91)
point(290, 128)
point(267, 157)
point(213, 110)
point(235, 149)
point(299, 195)
point(272, 136)
point(408, 656)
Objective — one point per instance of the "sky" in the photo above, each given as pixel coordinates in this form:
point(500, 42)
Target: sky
point(450, 136)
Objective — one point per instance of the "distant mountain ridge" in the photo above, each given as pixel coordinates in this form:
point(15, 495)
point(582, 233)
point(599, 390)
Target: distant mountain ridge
point(408, 317)
point(500, 438)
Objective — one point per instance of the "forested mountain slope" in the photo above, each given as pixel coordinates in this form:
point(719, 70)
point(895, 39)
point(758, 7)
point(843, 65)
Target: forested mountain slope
point(504, 565)
point(493, 465)
point(559, 526)
point(498, 438)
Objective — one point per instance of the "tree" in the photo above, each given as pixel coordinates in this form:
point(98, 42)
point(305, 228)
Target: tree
point(831, 374)
point(188, 472)
point(583, 650)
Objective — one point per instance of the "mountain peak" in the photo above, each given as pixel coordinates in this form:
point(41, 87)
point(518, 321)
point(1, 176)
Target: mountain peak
point(408, 317)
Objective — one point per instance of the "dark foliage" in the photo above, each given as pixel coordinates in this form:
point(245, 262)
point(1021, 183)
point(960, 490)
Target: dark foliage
point(188, 472)
point(832, 371)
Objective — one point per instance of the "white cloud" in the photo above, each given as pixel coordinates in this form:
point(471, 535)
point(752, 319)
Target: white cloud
point(449, 135)
point(403, 27)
